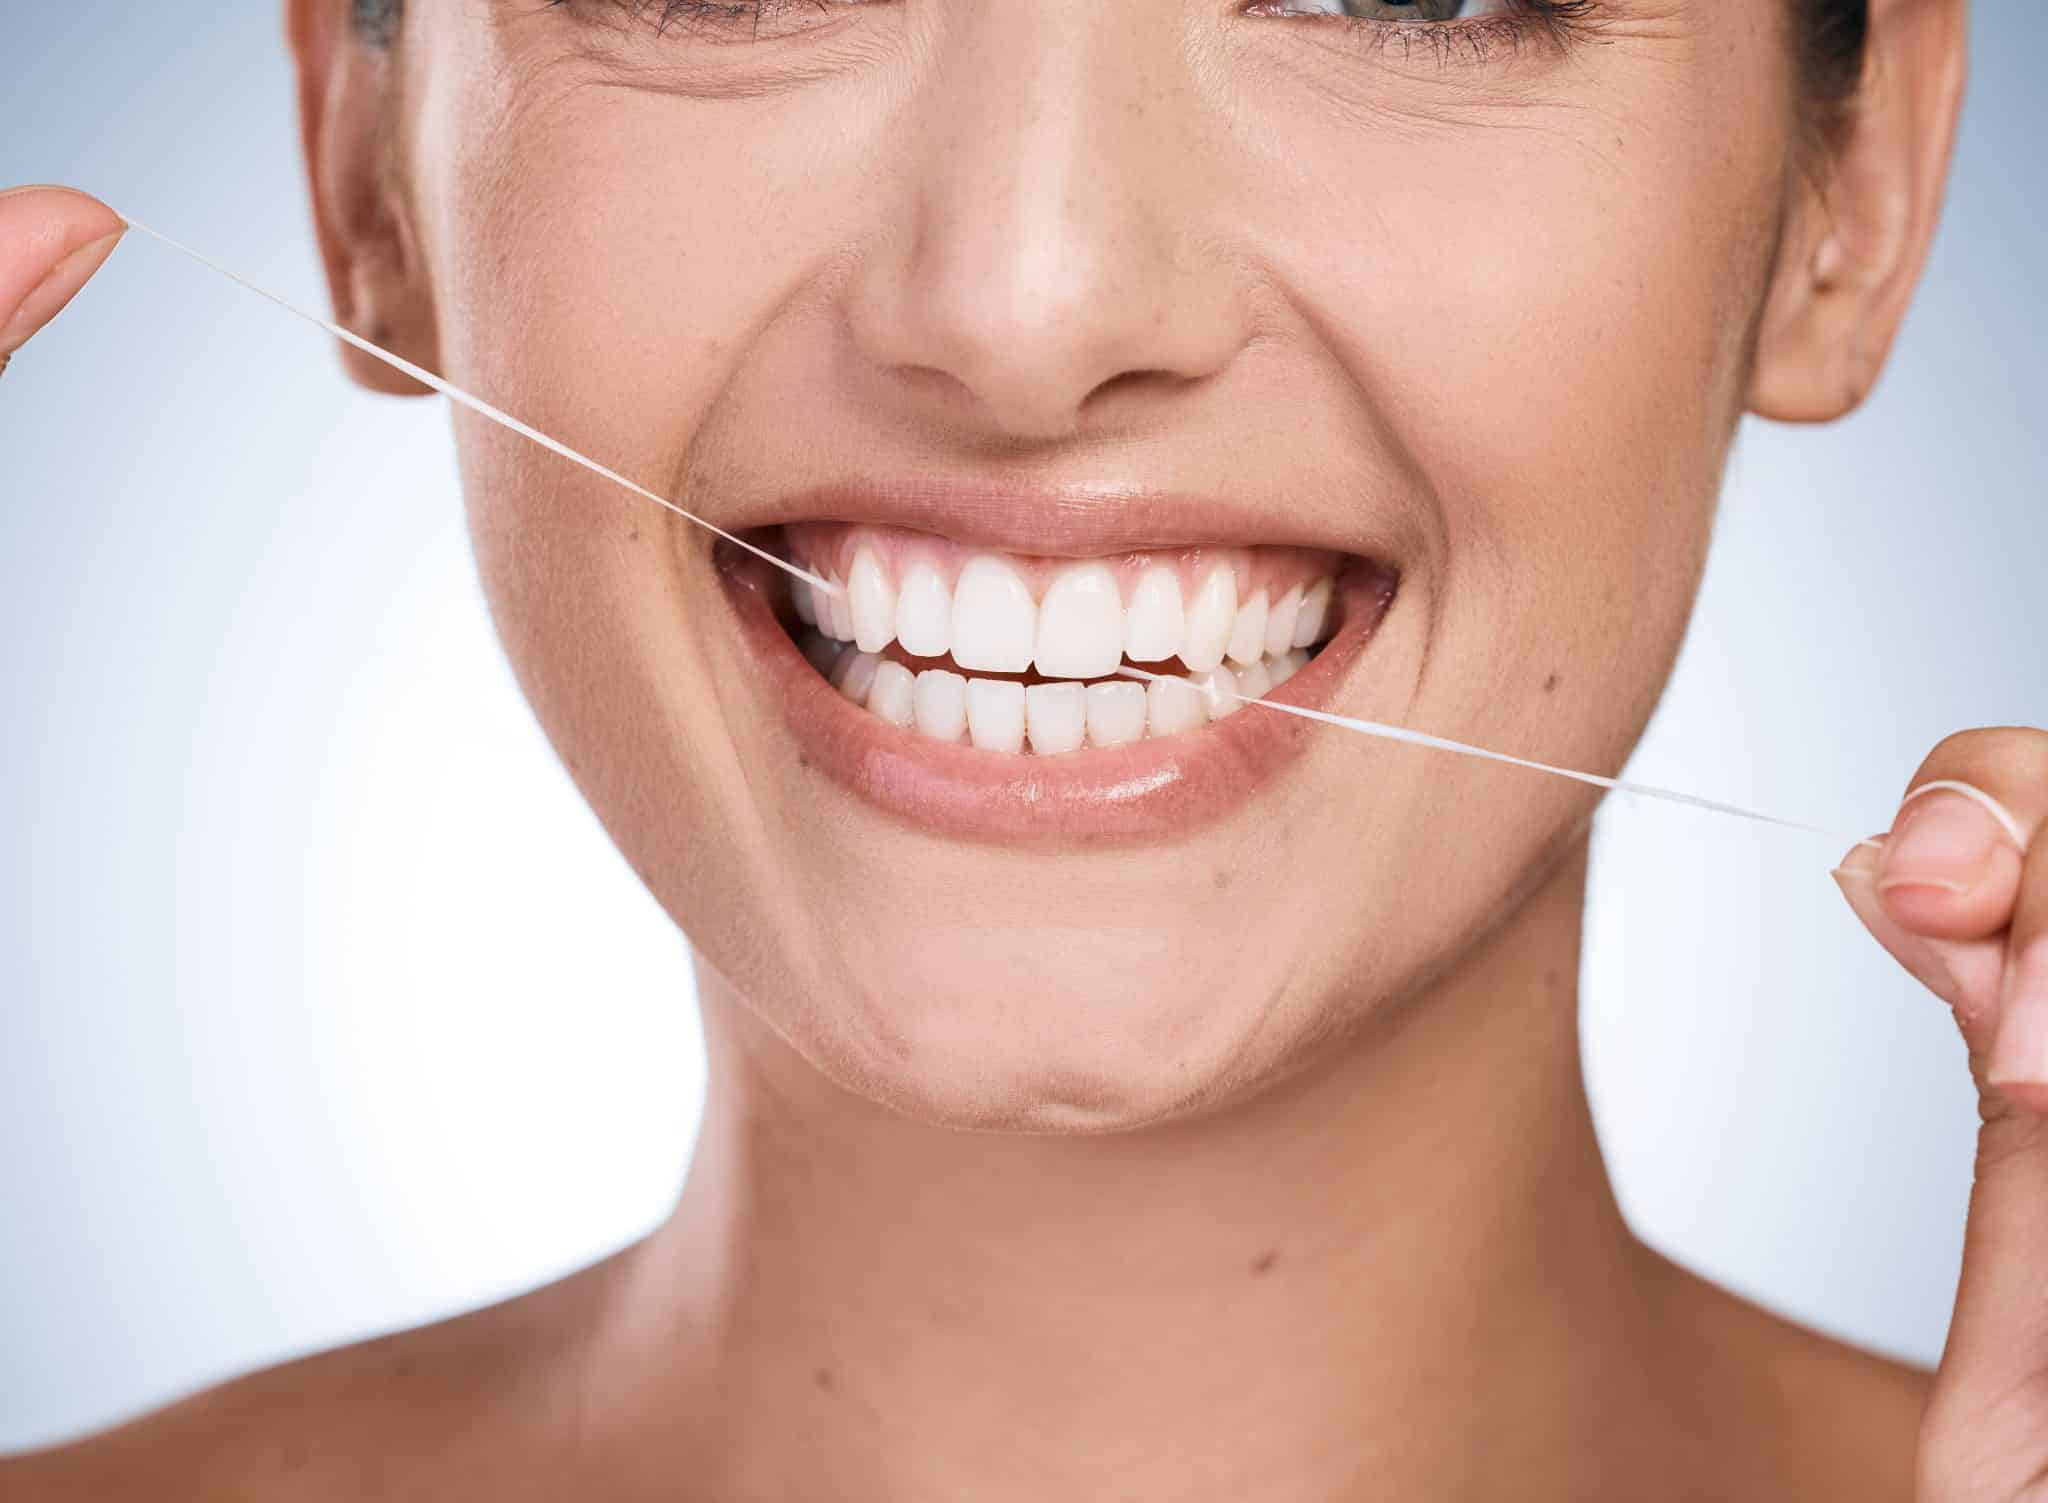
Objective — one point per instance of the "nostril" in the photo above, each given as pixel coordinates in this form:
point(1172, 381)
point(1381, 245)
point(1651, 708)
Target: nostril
point(1139, 384)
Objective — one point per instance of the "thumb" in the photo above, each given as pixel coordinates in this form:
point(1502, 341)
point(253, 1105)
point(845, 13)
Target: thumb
point(1998, 1341)
point(52, 240)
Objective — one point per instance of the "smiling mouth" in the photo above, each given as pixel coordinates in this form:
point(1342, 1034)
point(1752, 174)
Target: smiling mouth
point(1089, 691)
point(1022, 656)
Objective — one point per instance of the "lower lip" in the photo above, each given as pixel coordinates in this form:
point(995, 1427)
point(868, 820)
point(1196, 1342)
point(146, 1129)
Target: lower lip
point(1147, 790)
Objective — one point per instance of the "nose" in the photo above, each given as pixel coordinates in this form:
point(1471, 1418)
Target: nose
point(1041, 241)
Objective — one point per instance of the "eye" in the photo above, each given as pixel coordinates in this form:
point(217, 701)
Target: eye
point(1396, 10)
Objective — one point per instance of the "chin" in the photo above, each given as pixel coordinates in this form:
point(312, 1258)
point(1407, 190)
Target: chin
point(1041, 1027)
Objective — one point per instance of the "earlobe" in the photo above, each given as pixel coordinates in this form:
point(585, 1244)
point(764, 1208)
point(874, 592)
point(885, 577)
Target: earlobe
point(378, 288)
point(1813, 355)
point(1859, 229)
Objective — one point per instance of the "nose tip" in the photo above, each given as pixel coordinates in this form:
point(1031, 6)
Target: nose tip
point(1044, 248)
point(1031, 337)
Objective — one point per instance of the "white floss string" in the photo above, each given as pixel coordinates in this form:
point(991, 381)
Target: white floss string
point(1460, 748)
point(482, 408)
point(1363, 727)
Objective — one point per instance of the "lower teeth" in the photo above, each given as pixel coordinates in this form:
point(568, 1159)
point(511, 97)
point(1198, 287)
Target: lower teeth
point(1044, 718)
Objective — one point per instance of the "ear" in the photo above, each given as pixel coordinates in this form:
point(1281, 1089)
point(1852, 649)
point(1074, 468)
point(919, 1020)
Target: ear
point(1857, 234)
point(374, 273)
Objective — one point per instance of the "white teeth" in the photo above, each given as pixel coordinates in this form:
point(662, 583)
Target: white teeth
point(1080, 624)
point(1116, 713)
point(1218, 686)
point(1173, 705)
point(1055, 717)
point(894, 693)
point(995, 625)
point(835, 613)
point(821, 652)
point(1210, 616)
point(1235, 651)
point(1280, 622)
point(1248, 631)
point(1155, 621)
point(941, 704)
point(855, 675)
point(1315, 605)
point(988, 622)
point(1049, 718)
point(924, 613)
point(871, 601)
point(995, 714)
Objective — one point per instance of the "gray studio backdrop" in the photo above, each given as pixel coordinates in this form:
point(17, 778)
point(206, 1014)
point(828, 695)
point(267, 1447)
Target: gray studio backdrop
point(326, 1008)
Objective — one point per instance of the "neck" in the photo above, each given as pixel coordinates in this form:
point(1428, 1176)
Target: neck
point(1402, 1270)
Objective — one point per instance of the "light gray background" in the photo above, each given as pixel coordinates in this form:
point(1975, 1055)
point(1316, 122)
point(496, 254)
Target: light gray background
point(325, 1007)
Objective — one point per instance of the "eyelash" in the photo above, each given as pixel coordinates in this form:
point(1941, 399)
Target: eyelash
point(1558, 22)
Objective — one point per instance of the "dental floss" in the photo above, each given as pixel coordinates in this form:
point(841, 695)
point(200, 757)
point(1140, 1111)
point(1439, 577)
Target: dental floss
point(484, 409)
point(1460, 748)
point(1363, 727)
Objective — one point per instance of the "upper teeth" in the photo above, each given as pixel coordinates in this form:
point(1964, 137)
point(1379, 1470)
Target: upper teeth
point(1081, 628)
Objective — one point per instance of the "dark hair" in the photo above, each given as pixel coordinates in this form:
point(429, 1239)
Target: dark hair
point(1828, 38)
point(376, 21)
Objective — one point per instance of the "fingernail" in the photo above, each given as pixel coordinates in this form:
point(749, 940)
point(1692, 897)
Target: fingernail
point(1943, 839)
point(55, 290)
point(1860, 863)
point(2019, 1055)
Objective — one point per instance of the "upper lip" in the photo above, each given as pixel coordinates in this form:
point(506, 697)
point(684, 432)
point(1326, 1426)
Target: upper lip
point(1077, 521)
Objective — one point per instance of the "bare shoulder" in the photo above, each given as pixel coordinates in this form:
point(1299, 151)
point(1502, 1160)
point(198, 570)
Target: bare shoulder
point(445, 1411)
point(1791, 1412)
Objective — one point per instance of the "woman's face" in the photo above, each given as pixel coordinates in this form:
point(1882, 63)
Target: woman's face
point(1455, 313)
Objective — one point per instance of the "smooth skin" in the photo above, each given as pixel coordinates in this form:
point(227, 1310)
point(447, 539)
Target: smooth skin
point(1308, 1205)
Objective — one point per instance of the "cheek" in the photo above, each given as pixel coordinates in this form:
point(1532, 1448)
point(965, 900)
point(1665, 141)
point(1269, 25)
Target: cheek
point(586, 283)
point(607, 259)
point(1547, 319)
point(604, 263)
point(1544, 331)
point(593, 291)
